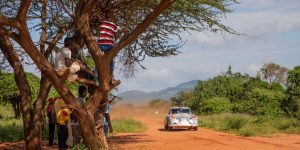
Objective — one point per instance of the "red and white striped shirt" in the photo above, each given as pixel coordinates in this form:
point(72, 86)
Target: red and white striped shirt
point(107, 33)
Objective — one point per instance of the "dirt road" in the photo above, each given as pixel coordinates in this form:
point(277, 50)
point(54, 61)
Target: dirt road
point(156, 138)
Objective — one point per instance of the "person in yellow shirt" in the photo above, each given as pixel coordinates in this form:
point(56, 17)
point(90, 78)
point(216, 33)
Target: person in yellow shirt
point(63, 117)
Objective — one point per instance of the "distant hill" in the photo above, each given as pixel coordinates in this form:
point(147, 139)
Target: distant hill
point(135, 96)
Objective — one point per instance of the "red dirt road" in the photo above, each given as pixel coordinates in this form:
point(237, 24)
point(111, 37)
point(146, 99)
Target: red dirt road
point(156, 138)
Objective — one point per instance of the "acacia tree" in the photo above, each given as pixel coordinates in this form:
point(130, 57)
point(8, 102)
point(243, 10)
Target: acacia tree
point(273, 73)
point(151, 25)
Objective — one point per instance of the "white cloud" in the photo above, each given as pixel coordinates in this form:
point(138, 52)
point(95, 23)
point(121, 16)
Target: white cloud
point(155, 73)
point(253, 68)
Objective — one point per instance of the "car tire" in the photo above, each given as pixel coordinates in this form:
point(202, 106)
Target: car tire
point(169, 128)
point(196, 128)
point(166, 126)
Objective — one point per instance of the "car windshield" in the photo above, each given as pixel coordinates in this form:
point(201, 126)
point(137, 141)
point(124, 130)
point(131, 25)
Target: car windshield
point(180, 111)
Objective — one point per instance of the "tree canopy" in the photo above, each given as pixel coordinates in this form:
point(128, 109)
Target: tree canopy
point(292, 105)
point(237, 93)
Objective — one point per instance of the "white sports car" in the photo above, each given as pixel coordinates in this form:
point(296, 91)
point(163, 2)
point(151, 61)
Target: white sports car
point(181, 118)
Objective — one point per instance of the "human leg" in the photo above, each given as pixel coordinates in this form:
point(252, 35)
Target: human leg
point(86, 81)
point(51, 133)
point(83, 68)
point(59, 136)
point(64, 136)
point(105, 128)
point(62, 132)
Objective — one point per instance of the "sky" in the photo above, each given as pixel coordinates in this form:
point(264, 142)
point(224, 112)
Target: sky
point(272, 34)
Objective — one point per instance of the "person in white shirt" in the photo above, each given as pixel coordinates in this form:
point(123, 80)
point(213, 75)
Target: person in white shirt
point(64, 61)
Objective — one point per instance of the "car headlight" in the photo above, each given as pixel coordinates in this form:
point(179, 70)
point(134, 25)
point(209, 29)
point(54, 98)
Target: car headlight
point(193, 120)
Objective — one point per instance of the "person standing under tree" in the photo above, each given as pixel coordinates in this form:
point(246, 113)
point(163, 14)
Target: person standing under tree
point(51, 120)
point(107, 121)
point(63, 117)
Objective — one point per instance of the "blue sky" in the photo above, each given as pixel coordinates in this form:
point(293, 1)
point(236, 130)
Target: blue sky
point(273, 35)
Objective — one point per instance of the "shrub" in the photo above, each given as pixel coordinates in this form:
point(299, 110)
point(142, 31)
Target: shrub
point(235, 123)
point(217, 105)
point(248, 131)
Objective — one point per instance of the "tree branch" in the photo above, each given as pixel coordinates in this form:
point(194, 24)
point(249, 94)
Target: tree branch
point(8, 21)
point(163, 5)
point(23, 10)
point(52, 44)
point(43, 37)
point(10, 34)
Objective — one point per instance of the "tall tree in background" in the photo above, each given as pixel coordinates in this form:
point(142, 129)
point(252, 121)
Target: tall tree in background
point(151, 27)
point(273, 73)
point(292, 105)
point(229, 71)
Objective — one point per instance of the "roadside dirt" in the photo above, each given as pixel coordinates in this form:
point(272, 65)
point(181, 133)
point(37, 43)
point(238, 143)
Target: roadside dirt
point(156, 138)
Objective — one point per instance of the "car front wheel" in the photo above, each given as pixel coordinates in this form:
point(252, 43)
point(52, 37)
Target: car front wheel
point(168, 127)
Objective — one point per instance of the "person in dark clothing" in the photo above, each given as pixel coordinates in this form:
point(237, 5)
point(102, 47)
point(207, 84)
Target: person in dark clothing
point(51, 120)
point(63, 134)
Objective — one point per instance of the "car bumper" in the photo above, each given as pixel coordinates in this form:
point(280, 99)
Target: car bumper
point(183, 126)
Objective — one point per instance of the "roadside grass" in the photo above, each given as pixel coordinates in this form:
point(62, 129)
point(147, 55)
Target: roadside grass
point(247, 125)
point(127, 125)
point(11, 130)
point(6, 111)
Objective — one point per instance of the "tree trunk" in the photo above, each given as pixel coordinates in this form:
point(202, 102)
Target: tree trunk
point(23, 86)
point(36, 129)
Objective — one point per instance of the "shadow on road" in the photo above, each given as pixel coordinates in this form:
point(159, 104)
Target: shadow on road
point(127, 139)
point(174, 130)
point(21, 146)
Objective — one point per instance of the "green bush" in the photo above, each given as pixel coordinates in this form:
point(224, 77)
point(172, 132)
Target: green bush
point(292, 103)
point(217, 105)
point(239, 94)
point(235, 123)
point(262, 102)
point(248, 131)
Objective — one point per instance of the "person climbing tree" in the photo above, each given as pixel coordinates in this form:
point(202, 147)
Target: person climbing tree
point(64, 61)
point(107, 37)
